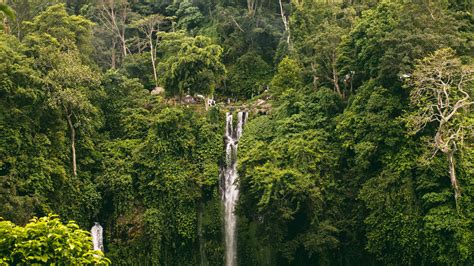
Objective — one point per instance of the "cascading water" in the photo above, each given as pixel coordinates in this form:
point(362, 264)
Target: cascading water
point(230, 192)
point(96, 232)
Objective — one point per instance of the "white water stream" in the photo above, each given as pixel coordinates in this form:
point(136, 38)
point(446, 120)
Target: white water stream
point(230, 187)
point(97, 238)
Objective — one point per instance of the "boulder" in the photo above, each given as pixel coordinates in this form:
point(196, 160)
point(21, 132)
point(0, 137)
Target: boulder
point(188, 99)
point(157, 90)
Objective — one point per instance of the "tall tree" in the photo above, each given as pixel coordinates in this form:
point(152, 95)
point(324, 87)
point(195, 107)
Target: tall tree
point(286, 24)
point(441, 96)
point(55, 27)
point(150, 26)
point(69, 81)
point(114, 16)
point(252, 6)
point(318, 30)
point(26, 10)
point(61, 44)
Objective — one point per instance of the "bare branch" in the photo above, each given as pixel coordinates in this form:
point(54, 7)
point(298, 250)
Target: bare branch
point(439, 81)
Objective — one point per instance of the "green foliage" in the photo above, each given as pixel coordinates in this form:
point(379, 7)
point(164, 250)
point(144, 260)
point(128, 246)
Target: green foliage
point(394, 220)
point(249, 76)
point(387, 39)
point(242, 29)
point(188, 15)
point(155, 180)
point(287, 76)
point(37, 89)
point(47, 240)
point(284, 175)
point(189, 63)
point(138, 66)
point(328, 176)
point(318, 29)
point(124, 99)
point(55, 26)
point(369, 125)
point(20, 98)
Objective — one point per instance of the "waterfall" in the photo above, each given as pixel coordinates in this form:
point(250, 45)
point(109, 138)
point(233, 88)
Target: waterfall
point(96, 232)
point(230, 190)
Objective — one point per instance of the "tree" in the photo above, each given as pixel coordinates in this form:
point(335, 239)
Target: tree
point(190, 63)
point(68, 82)
point(389, 38)
point(47, 240)
point(189, 16)
point(288, 76)
point(150, 26)
point(249, 75)
point(325, 54)
point(251, 7)
point(241, 31)
point(61, 44)
point(286, 24)
point(441, 89)
point(114, 16)
point(318, 30)
point(56, 27)
point(26, 10)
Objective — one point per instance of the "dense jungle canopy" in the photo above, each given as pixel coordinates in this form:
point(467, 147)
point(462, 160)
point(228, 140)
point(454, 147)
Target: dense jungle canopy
point(358, 148)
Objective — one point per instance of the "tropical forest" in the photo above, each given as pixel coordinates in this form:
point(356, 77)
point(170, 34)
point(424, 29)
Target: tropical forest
point(237, 132)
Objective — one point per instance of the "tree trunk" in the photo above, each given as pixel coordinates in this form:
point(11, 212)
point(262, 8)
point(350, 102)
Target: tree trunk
point(286, 25)
point(153, 63)
point(112, 59)
point(250, 7)
point(335, 79)
point(115, 20)
point(73, 143)
point(6, 27)
point(452, 175)
point(124, 45)
point(18, 29)
point(335, 76)
point(315, 77)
